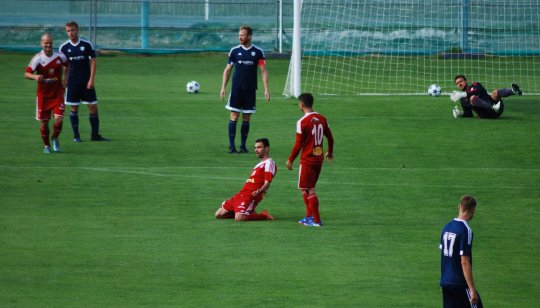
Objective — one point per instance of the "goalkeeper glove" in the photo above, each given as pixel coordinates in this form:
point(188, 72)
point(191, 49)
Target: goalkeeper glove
point(457, 113)
point(456, 95)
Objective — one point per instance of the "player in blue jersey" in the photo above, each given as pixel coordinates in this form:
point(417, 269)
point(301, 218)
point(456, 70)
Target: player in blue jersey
point(80, 75)
point(246, 58)
point(457, 280)
point(475, 98)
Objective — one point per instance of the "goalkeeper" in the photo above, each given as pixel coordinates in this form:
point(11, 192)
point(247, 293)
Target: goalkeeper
point(475, 98)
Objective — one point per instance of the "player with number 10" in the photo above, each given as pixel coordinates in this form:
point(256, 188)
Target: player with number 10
point(310, 130)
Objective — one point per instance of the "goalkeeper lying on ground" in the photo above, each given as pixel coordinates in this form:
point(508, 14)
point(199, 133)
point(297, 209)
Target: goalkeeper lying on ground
point(475, 98)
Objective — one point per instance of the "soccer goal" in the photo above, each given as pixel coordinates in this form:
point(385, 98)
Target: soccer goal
point(343, 47)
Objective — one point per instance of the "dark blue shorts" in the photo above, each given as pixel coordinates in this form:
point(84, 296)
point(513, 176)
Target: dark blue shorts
point(242, 101)
point(79, 94)
point(458, 297)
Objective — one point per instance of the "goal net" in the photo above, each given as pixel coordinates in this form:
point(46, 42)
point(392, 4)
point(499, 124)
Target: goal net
point(403, 46)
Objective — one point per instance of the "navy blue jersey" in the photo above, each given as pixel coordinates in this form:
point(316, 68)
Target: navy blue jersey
point(245, 62)
point(456, 241)
point(79, 56)
point(477, 89)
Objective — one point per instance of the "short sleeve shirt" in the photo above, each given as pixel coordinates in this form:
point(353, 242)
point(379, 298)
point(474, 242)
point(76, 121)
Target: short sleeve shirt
point(456, 241)
point(79, 56)
point(51, 68)
point(263, 171)
point(245, 62)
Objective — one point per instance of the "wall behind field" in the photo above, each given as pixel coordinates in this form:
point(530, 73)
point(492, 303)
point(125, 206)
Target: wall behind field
point(155, 25)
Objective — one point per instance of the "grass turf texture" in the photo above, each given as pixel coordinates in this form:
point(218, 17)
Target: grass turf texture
point(130, 222)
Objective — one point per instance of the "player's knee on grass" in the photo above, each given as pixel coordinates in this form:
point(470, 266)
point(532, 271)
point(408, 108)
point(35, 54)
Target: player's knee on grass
point(239, 217)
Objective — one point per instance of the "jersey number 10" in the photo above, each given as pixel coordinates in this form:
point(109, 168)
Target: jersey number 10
point(317, 133)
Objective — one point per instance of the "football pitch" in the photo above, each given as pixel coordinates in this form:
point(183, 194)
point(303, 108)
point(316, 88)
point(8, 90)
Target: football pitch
point(130, 222)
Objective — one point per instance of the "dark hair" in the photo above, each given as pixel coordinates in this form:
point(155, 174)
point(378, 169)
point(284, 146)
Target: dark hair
point(306, 99)
point(248, 29)
point(72, 23)
point(467, 203)
point(460, 76)
point(264, 141)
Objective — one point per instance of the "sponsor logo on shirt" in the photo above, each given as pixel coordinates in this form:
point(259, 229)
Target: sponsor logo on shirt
point(246, 62)
point(76, 58)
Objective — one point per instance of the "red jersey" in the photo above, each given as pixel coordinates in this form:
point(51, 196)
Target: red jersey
point(263, 171)
point(51, 69)
point(310, 130)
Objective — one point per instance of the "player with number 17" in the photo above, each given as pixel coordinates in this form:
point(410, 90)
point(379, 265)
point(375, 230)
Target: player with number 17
point(310, 130)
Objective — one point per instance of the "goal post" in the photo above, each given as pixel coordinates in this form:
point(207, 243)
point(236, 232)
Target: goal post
point(400, 47)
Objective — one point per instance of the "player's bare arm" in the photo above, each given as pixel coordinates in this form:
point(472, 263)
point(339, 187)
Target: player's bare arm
point(261, 190)
point(32, 76)
point(226, 76)
point(66, 75)
point(289, 165)
point(90, 84)
point(467, 272)
point(264, 75)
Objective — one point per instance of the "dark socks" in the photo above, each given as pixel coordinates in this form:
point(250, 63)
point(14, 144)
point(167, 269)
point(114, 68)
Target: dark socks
point(244, 130)
point(74, 117)
point(94, 123)
point(232, 133)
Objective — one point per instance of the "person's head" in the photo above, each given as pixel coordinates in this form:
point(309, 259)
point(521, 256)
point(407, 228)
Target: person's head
point(461, 82)
point(262, 147)
point(244, 35)
point(305, 101)
point(47, 43)
point(467, 207)
point(72, 30)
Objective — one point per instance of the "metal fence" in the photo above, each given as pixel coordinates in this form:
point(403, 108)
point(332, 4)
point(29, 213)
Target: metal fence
point(149, 25)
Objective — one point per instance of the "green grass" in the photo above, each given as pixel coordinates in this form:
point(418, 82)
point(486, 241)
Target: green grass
point(130, 222)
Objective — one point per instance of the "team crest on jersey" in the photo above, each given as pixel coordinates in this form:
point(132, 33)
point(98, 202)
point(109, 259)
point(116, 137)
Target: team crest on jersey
point(82, 48)
point(253, 53)
point(51, 71)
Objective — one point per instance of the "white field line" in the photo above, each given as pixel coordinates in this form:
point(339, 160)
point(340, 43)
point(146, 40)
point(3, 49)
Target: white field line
point(158, 174)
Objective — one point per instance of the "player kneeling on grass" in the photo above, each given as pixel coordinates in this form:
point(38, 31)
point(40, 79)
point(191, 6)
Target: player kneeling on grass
point(242, 205)
point(475, 98)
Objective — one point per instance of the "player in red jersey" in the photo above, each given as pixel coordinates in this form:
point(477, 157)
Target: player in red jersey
point(310, 130)
point(242, 205)
point(46, 68)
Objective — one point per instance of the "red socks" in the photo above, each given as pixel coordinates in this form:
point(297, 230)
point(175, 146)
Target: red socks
point(57, 128)
point(309, 213)
point(44, 129)
point(314, 206)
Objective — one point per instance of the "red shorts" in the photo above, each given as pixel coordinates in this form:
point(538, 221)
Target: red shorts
point(308, 174)
point(44, 106)
point(242, 202)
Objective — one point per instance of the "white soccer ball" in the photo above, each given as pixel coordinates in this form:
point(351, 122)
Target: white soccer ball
point(434, 90)
point(193, 87)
